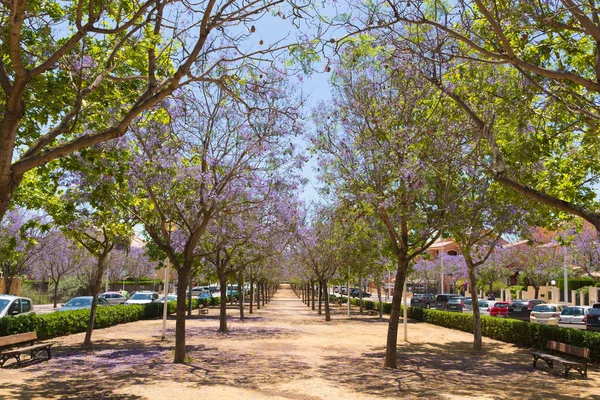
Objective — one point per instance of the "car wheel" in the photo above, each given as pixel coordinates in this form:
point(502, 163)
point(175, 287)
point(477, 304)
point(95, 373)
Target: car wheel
point(427, 305)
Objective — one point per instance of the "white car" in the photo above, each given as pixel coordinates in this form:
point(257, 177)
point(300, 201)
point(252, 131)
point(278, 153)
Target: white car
point(546, 314)
point(484, 307)
point(574, 317)
point(14, 305)
point(143, 298)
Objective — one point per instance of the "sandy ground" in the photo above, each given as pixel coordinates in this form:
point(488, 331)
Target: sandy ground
point(287, 351)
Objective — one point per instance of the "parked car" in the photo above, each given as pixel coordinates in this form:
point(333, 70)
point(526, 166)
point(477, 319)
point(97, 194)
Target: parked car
point(113, 297)
point(498, 308)
point(520, 309)
point(423, 300)
point(468, 304)
point(455, 304)
point(356, 293)
point(442, 299)
point(197, 290)
point(144, 297)
point(546, 314)
point(170, 297)
point(484, 306)
point(14, 305)
point(205, 295)
point(573, 317)
point(592, 322)
point(78, 303)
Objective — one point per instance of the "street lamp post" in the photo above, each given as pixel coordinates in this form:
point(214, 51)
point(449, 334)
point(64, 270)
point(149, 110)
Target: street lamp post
point(442, 270)
point(566, 276)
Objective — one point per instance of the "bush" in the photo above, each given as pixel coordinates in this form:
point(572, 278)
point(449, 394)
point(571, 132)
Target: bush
point(511, 330)
point(576, 283)
point(63, 323)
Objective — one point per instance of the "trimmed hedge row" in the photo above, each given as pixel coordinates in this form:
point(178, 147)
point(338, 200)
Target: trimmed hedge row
point(368, 304)
point(55, 324)
point(512, 330)
point(502, 329)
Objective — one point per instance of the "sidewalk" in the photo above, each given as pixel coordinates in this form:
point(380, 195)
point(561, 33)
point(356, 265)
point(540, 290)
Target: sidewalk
point(285, 351)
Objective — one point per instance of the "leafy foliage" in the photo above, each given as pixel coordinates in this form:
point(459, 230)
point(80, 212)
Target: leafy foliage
point(67, 322)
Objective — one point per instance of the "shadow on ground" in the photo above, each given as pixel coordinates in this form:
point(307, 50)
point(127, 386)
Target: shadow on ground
point(426, 370)
point(80, 372)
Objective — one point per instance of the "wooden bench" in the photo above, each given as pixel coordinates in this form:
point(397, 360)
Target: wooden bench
point(580, 354)
point(373, 312)
point(202, 309)
point(9, 347)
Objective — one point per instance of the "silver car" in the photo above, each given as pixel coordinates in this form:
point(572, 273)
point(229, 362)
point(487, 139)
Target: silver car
point(14, 305)
point(81, 302)
point(113, 297)
point(484, 306)
point(574, 317)
point(546, 314)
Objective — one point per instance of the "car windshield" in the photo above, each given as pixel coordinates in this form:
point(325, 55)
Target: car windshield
point(572, 311)
point(455, 300)
point(3, 304)
point(78, 302)
point(501, 305)
point(483, 303)
point(544, 308)
point(469, 302)
point(141, 296)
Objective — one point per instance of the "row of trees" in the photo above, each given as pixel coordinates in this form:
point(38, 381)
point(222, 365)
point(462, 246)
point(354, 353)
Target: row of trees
point(441, 114)
point(405, 142)
point(535, 261)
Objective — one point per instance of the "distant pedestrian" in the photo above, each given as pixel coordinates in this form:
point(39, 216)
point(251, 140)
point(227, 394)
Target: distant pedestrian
point(491, 296)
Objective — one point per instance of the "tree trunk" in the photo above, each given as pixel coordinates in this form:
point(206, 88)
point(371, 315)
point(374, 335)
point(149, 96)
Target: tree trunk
point(183, 274)
point(241, 293)
point(95, 290)
point(360, 297)
point(392, 336)
point(223, 309)
point(327, 313)
point(264, 294)
point(537, 291)
point(312, 294)
point(251, 311)
point(56, 291)
point(379, 296)
point(258, 285)
point(477, 339)
point(320, 297)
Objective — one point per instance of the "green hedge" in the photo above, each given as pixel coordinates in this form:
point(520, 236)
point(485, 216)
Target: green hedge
point(576, 283)
point(502, 329)
point(63, 323)
point(512, 330)
point(368, 304)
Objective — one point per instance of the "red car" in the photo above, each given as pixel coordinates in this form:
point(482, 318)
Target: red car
point(499, 309)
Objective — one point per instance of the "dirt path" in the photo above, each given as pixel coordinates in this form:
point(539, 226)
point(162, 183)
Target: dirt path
point(287, 351)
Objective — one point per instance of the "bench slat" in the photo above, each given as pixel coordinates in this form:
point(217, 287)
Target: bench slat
point(26, 349)
point(6, 341)
point(568, 349)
